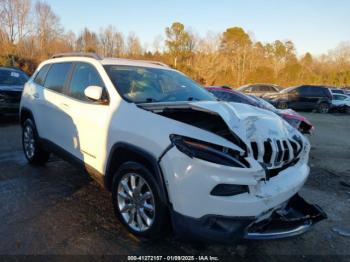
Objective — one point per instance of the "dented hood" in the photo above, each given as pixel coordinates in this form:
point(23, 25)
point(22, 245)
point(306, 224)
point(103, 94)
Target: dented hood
point(249, 122)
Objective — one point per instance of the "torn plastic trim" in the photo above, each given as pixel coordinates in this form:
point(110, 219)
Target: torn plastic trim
point(294, 219)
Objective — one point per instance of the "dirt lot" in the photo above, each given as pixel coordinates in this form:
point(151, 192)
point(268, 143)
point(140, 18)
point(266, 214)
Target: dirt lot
point(57, 209)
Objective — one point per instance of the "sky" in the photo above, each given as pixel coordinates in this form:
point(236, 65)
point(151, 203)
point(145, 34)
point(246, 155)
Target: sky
point(314, 26)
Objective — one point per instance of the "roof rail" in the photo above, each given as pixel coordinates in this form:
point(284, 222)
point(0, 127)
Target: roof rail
point(154, 62)
point(79, 54)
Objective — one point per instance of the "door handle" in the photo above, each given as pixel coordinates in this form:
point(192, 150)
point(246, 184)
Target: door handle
point(36, 96)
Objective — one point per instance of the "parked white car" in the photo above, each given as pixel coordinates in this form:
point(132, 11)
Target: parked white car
point(167, 150)
point(341, 102)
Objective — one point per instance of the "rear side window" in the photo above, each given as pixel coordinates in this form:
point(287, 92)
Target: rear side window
point(40, 77)
point(327, 92)
point(270, 89)
point(304, 90)
point(84, 75)
point(57, 76)
point(318, 91)
point(263, 89)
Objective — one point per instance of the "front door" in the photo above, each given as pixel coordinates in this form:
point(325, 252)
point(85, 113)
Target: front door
point(90, 117)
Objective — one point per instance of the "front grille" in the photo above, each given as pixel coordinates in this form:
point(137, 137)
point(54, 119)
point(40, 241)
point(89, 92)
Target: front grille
point(275, 153)
point(11, 96)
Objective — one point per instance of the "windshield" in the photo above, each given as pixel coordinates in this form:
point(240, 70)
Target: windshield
point(144, 85)
point(9, 77)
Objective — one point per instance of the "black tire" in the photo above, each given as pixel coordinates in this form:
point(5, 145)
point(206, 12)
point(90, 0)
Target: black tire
point(282, 105)
point(323, 108)
point(160, 224)
point(347, 110)
point(35, 155)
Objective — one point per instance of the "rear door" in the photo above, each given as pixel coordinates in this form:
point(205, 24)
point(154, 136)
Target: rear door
point(306, 98)
point(54, 122)
point(314, 96)
point(90, 117)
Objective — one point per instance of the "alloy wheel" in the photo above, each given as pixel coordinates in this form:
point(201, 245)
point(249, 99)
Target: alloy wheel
point(29, 141)
point(136, 202)
point(324, 108)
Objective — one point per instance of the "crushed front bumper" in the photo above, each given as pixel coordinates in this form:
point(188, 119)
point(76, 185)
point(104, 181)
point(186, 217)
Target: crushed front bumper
point(293, 218)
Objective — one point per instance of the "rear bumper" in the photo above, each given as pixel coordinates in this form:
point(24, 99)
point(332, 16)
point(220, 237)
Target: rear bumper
point(294, 217)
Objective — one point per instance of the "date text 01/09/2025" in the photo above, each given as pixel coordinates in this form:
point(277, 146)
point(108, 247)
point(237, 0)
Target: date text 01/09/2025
point(173, 258)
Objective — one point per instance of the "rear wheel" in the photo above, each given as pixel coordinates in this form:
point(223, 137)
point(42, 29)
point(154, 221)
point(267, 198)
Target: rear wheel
point(31, 146)
point(282, 105)
point(347, 110)
point(323, 108)
point(136, 201)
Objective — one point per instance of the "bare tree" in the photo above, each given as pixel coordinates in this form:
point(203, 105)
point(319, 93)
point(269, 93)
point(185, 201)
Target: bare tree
point(48, 26)
point(106, 40)
point(111, 41)
point(134, 48)
point(119, 50)
point(70, 39)
point(157, 44)
point(87, 41)
point(14, 19)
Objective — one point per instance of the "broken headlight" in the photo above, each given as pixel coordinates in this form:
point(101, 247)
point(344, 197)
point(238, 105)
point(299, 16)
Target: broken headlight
point(209, 152)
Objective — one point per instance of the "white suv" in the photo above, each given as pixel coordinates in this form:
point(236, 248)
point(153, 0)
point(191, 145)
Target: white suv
point(169, 152)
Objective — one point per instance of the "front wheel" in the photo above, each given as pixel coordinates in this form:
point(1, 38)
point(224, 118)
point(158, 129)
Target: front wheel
point(137, 203)
point(31, 146)
point(323, 108)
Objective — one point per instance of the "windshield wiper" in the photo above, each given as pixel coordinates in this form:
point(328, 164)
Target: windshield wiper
point(150, 100)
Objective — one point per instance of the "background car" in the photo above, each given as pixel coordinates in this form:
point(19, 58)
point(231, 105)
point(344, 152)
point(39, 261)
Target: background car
point(305, 97)
point(292, 117)
point(259, 89)
point(12, 81)
point(338, 91)
point(341, 103)
point(346, 90)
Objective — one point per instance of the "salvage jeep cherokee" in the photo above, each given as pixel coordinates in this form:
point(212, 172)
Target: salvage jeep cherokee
point(169, 152)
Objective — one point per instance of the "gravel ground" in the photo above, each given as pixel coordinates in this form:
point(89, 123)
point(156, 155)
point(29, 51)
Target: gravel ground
point(57, 210)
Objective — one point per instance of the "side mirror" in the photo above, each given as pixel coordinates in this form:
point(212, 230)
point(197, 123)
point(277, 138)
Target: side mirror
point(93, 92)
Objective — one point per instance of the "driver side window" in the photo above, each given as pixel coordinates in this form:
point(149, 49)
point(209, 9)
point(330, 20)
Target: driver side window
point(84, 75)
